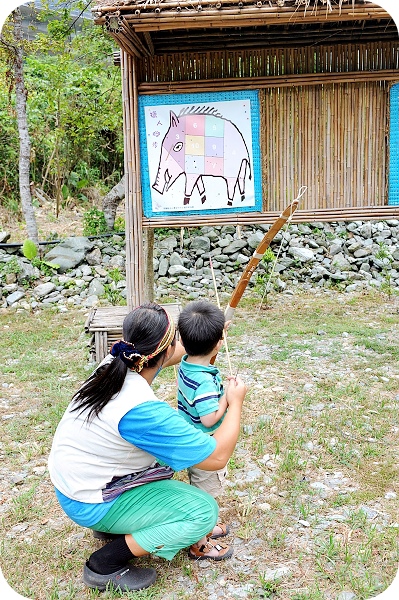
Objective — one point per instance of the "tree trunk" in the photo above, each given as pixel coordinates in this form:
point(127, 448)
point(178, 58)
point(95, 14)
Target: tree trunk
point(24, 139)
point(111, 202)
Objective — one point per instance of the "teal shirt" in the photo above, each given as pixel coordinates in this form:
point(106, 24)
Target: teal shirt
point(199, 391)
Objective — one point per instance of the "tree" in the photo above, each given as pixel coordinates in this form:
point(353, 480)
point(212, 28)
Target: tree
point(74, 111)
point(14, 51)
point(111, 202)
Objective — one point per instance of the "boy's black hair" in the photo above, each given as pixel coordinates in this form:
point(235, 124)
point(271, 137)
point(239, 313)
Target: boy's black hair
point(201, 326)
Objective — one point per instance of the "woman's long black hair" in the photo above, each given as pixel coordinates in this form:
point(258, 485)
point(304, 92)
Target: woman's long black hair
point(144, 327)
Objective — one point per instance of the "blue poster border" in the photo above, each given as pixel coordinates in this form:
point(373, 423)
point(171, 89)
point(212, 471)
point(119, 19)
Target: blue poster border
point(393, 188)
point(194, 98)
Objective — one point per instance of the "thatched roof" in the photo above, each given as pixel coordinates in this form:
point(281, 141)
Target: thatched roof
point(328, 5)
point(165, 26)
point(321, 8)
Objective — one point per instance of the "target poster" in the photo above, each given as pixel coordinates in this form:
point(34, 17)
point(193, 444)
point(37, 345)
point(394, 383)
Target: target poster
point(200, 153)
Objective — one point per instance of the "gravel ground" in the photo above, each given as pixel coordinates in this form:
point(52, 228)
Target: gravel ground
point(312, 496)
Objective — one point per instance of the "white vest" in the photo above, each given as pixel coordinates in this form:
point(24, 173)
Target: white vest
point(85, 457)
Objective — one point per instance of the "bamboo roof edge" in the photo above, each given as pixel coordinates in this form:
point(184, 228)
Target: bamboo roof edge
point(323, 7)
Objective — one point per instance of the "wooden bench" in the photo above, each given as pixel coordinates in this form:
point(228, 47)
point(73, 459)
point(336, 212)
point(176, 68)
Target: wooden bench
point(105, 325)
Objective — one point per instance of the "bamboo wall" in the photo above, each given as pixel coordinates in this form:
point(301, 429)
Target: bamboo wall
point(270, 62)
point(331, 138)
point(324, 121)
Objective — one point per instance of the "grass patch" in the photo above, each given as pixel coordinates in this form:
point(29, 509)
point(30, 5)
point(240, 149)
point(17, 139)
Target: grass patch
point(312, 481)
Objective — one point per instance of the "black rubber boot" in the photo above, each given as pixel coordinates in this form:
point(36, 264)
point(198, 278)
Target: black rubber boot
point(128, 578)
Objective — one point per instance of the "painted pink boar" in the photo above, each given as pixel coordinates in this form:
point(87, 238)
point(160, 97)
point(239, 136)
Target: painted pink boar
point(201, 143)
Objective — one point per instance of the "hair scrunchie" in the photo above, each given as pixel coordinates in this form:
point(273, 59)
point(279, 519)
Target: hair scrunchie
point(128, 354)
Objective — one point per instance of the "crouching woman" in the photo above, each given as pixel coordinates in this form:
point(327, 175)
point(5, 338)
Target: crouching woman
point(104, 459)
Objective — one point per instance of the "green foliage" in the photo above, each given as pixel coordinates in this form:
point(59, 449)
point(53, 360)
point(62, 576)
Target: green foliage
point(114, 295)
point(268, 257)
point(12, 266)
point(162, 233)
point(29, 249)
point(45, 267)
point(94, 222)
point(119, 224)
point(263, 280)
point(74, 111)
point(383, 254)
point(115, 275)
point(269, 588)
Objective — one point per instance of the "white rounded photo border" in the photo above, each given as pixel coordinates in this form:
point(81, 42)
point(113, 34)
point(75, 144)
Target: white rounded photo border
point(391, 593)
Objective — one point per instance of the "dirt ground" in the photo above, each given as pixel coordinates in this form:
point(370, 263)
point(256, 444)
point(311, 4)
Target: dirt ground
point(68, 222)
point(312, 499)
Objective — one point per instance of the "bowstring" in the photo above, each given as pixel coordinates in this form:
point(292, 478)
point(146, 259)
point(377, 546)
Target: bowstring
point(224, 331)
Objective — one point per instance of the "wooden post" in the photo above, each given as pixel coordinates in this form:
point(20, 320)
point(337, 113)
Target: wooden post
point(149, 264)
point(133, 213)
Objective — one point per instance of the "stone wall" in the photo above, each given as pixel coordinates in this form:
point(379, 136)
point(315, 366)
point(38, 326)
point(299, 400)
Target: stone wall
point(351, 256)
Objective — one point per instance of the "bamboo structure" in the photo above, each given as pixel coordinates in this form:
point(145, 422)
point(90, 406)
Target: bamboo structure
point(322, 69)
point(134, 214)
point(270, 67)
point(301, 216)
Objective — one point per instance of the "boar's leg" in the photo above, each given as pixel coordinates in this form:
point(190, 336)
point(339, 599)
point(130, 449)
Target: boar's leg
point(191, 182)
point(241, 178)
point(231, 186)
point(233, 182)
point(201, 189)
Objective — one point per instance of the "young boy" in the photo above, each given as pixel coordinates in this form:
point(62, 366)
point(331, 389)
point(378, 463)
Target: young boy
point(201, 400)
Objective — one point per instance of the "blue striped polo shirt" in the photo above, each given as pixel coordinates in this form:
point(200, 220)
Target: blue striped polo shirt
point(199, 391)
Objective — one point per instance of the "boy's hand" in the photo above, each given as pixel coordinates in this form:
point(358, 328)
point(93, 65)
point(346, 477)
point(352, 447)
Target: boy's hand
point(236, 390)
point(227, 325)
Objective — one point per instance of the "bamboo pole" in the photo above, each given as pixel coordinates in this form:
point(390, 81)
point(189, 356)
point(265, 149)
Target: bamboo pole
point(149, 42)
point(128, 169)
point(269, 56)
point(355, 127)
point(359, 126)
point(170, 20)
point(148, 238)
point(338, 136)
point(371, 213)
point(187, 4)
point(134, 234)
point(328, 153)
point(369, 143)
point(342, 146)
point(337, 149)
point(312, 155)
point(129, 33)
point(383, 109)
point(125, 44)
point(138, 206)
point(172, 87)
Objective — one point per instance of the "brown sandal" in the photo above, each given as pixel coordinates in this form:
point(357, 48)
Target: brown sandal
point(203, 552)
point(225, 531)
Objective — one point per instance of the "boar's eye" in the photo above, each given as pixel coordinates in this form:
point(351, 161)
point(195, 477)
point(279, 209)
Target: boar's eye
point(177, 147)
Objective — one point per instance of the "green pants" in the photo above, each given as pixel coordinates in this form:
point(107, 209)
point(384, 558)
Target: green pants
point(163, 516)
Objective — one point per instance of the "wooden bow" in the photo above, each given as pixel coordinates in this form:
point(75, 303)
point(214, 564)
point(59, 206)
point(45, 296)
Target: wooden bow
point(256, 258)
